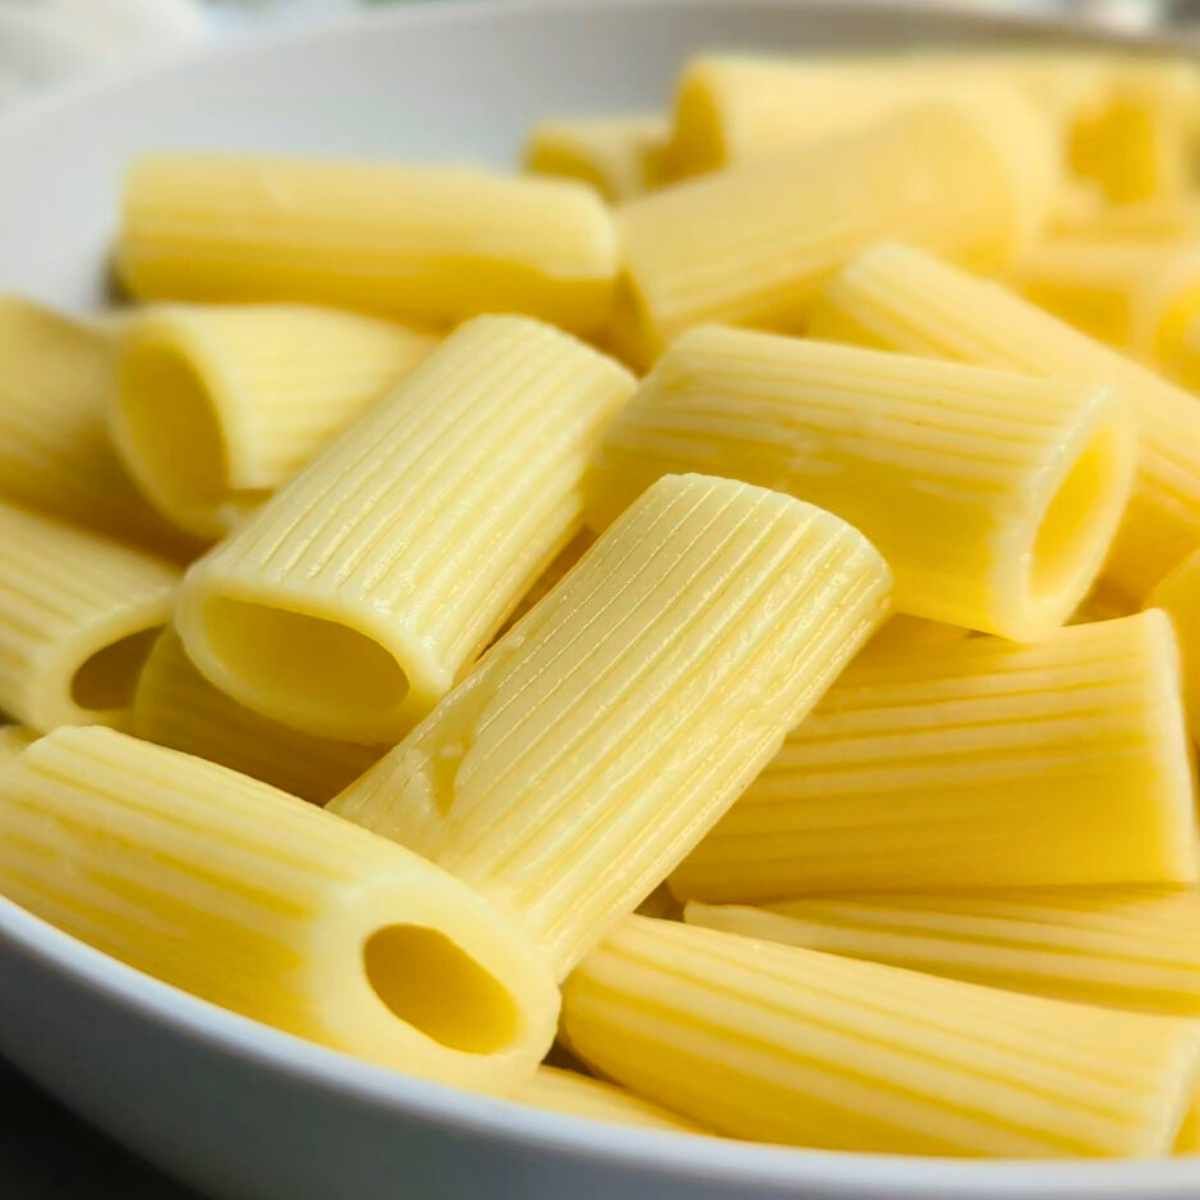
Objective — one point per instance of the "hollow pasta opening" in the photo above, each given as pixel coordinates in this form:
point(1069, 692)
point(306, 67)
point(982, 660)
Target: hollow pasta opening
point(1073, 531)
point(171, 430)
point(434, 985)
point(109, 678)
point(308, 669)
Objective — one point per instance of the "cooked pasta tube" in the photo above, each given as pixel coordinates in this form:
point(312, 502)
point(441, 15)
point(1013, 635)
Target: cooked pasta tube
point(78, 614)
point(1166, 319)
point(620, 156)
point(257, 901)
point(977, 763)
point(1023, 480)
point(915, 631)
point(217, 405)
point(174, 705)
point(1103, 603)
point(901, 299)
point(751, 245)
point(353, 600)
point(597, 741)
point(1089, 218)
point(1121, 947)
point(1077, 203)
point(1188, 1141)
point(14, 739)
point(787, 1045)
point(431, 244)
point(1137, 143)
point(729, 108)
point(577, 1095)
point(1178, 594)
point(55, 455)
point(1094, 285)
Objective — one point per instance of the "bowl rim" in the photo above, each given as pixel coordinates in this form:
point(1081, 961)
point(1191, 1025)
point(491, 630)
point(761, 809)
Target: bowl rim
point(650, 1153)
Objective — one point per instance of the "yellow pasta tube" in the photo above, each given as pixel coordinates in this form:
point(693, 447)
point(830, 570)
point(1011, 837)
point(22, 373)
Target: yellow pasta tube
point(1094, 285)
point(1188, 1141)
point(55, 455)
point(729, 108)
point(431, 244)
point(1121, 947)
point(1103, 603)
point(78, 614)
point(782, 1044)
point(751, 245)
point(1166, 318)
point(899, 298)
point(1087, 217)
point(596, 743)
point(1023, 480)
point(577, 1095)
point(1137, 142)
point(977, 763)
point(14, 739)
point(901, 630)
point(174, 705)
point(1178, 594)
point(353, 600)
point(621, 156)
point(257, 901)
point(216, 406)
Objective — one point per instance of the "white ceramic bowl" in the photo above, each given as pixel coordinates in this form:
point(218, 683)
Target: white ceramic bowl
point(230, 1106)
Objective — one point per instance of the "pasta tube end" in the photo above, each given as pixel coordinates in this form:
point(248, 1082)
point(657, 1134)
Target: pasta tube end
point(418, 974)
point(1075, 521)
point(347, 683)
point(167, 426)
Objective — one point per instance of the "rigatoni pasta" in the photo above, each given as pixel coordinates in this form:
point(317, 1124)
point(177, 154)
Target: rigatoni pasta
point(1086, 217)
point(217, 405)
point(1095, 285)
point(1119, 947)
point(732, 108)
point(1188, 1141)
point(977, 763)
point(899, 298)
point(78, 615)
point(621, 156)
point(1024, 480)
point(398, 552)
point(257, 901)
point(1166, 318)
point(430, 244)
point(175, 706)
point(751, 245)
point(809, 716)
point(1178, 594)
point(787, 1045)
point(56, 379)
point(1137, 143)
point(606, 732)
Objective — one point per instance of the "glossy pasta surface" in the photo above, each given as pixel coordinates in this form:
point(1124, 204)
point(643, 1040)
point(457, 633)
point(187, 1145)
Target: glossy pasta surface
point(697, 630)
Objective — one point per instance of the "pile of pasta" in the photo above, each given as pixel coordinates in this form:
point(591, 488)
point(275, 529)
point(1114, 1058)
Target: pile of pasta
point(723, 602)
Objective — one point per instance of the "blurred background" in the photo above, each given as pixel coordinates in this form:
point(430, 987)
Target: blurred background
point(44, 42)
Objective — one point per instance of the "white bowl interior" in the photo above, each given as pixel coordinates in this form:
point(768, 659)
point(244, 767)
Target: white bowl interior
point(235, 1107)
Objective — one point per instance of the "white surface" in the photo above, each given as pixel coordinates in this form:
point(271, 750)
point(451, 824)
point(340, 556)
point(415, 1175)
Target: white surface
point(44, 42)
point(238, 1109)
